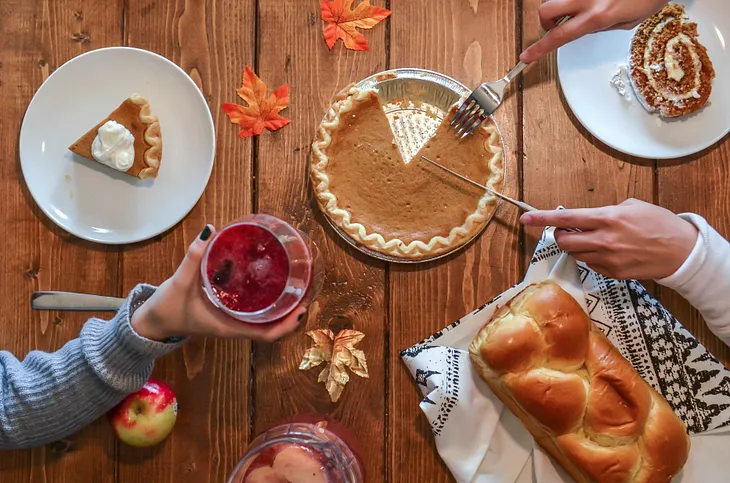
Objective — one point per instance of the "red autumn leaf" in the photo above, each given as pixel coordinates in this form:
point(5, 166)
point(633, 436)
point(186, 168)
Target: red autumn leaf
point(342, 22)
point(259, 112)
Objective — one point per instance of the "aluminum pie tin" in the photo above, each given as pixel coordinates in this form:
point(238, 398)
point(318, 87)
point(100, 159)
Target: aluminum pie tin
point(415, 101)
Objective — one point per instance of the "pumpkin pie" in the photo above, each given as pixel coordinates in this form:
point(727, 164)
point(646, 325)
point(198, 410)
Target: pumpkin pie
point(409, 210)
point(135, 115)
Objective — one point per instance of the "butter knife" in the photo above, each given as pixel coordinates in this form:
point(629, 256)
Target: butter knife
point(74, 301)
point(523, 206)
point(520, 204)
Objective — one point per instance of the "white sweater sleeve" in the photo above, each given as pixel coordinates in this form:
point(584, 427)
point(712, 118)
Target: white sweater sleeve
point(704, 278)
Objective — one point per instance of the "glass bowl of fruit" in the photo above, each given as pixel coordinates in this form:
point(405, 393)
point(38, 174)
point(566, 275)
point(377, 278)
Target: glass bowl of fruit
point(306, 449)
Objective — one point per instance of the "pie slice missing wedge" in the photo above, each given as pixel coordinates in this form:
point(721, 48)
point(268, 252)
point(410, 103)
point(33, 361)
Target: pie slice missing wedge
point(128, 140)
point(408, 210)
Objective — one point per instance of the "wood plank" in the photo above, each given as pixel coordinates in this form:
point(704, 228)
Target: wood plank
point(36, 37)
point(209, 41)
point(564, 164)
point(473, 42)
point(292, 49)
point(700, 184)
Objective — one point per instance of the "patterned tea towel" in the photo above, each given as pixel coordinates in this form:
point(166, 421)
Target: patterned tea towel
point(481, 441)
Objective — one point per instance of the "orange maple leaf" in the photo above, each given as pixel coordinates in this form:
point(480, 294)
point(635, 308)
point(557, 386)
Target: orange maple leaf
point(342, 22)
point(259, 112)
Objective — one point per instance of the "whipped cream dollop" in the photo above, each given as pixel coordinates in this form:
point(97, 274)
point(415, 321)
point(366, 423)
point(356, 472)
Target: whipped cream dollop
point(114, 146)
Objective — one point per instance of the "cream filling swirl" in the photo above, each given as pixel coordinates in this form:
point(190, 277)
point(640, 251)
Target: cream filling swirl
point(673, 68)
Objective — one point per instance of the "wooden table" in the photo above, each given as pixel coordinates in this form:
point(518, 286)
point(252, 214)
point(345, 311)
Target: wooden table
point(229, 391)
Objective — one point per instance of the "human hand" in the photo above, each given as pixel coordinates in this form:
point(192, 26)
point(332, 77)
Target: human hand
point(634, 240)
point(588, 16)
point(180, 307)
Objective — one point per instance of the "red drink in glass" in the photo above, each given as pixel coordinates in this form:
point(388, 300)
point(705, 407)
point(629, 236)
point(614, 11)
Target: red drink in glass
point(259, 269)
point(306, 449)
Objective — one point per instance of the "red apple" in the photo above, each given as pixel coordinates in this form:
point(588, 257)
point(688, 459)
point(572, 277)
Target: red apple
point(146, 417)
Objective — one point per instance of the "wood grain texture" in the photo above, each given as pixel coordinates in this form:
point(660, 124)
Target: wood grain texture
point(211, 42)
point(36, 37)
point(472, 42)
point(229, 393)
point(563, 163)
point(698, 185)
point(292, 49)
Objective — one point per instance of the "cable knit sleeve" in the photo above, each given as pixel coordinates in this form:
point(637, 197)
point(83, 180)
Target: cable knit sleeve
point(47, 397)
point(704, 278)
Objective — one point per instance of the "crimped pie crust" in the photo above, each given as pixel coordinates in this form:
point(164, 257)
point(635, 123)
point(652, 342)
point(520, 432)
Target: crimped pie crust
point(345, 102)
point(152, 136)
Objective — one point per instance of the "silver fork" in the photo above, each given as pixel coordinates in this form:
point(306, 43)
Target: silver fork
point(486, 99)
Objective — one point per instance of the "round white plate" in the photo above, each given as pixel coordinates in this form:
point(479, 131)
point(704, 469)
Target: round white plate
point(585, 68)
point(88, 199)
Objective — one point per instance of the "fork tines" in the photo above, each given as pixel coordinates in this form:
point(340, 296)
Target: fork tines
point(468, 117)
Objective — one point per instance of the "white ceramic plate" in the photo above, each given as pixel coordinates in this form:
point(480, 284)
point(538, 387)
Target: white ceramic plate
point(585, 68)
point(92, 201)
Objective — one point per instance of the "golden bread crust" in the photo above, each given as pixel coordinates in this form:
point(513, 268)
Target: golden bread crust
point(586, 405)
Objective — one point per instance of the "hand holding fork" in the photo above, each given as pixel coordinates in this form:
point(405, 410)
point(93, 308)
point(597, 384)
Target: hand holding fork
point(486, 99)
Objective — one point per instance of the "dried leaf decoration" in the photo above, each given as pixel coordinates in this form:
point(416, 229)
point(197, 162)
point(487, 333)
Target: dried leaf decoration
point(321, 351)
point(259, 112)
point(338, 353)
point(342, 22)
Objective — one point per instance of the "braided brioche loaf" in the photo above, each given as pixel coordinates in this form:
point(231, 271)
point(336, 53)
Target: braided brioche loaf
point(579, 398)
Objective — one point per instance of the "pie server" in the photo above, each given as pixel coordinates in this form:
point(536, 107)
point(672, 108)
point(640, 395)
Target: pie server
point(74, 301)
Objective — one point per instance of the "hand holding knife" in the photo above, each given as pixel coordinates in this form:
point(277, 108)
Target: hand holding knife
point(522, 205)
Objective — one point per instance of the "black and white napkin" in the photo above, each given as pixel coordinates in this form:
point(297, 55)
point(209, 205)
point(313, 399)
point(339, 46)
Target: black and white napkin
point(481, 441)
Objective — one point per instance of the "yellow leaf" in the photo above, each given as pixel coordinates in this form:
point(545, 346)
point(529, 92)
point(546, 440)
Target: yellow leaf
point(320, 352)
point(339, 353)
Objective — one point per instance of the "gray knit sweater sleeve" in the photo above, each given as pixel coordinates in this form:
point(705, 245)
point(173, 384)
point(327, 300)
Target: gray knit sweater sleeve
point(50, 396)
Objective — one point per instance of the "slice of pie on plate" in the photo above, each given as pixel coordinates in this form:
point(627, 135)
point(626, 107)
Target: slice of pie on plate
point(128, 140)
point(408, 210)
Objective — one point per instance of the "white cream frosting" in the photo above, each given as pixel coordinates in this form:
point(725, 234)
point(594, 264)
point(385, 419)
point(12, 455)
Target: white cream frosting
point(114, 146)
point(620, 82)
point(674, 69)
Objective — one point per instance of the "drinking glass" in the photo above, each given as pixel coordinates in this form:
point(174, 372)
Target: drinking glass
point(259, 268)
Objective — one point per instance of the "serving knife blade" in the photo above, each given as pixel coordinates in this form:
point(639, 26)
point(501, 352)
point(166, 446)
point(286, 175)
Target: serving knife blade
point(519, 204)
